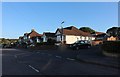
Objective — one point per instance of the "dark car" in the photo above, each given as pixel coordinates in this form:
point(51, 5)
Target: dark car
point(80, 45)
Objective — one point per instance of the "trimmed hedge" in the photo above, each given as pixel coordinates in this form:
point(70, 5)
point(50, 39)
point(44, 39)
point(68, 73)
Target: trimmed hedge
point(42, 43)
point(49, 42)
point(111, 46)
point(44, 47)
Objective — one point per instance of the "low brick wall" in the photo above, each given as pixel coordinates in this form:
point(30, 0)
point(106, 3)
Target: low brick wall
point(96, 42)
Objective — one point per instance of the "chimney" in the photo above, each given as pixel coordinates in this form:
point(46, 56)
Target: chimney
point(32, 30)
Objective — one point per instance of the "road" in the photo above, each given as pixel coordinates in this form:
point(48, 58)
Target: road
point(23, 62)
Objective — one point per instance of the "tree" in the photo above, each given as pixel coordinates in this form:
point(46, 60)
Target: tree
point(4, 41)
point(7, 41)
point(87, 29)
point(114, 31)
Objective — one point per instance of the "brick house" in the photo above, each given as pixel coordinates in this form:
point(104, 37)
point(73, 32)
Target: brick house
point(99, 38)
point(32, 37)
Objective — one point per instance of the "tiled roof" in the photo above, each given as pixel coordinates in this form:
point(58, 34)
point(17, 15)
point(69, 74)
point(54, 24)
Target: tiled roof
point(21, 37)
point(96, 34)
point(48, 34)
point(73, 31)
point(99, 33)
point(33, 33)
point(26, 33)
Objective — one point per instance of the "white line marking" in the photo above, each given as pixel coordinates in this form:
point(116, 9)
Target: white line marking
point(34, 68)
point(20, 54)
point(58, 56)
point(23, 54)
point(70, 59)
point(15, 56)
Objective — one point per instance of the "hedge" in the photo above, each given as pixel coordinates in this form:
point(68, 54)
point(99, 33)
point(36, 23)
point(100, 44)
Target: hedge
point(49, 42)
point(44, 47)
point(111, 46)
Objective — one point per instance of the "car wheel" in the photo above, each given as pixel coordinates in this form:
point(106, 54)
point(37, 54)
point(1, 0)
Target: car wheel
point(77, 48)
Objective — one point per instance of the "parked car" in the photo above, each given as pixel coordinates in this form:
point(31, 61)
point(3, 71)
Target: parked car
point(31, 45)
point(80, 45)
point(58, 43)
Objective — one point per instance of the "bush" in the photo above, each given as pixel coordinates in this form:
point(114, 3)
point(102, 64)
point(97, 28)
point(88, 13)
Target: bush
point(41, 43)
point(22, 45)
point(51, 42)
point(111, 46)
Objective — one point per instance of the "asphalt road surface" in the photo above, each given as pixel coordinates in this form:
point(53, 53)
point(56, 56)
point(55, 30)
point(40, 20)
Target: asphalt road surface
point(23, 62)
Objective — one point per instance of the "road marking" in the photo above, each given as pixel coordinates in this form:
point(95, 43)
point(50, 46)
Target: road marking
point(21, 54)
point(15, 56)
point(70, 59)
point(58, 56)
point(33, 68)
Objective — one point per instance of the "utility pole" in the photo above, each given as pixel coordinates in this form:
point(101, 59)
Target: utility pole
point(62, 32)
point(117, 33)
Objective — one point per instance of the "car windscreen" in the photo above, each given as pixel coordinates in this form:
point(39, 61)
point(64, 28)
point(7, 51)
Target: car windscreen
point(81, 42)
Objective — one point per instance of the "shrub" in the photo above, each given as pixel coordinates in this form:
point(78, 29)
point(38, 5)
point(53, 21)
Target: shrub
point(41, 43)
point(51, 42)
point(111, 46)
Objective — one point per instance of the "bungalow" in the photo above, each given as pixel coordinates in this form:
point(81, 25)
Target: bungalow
point(71, 34)
point(111, 38)
point(48, 35)
point(99, 38)
point(32, 37)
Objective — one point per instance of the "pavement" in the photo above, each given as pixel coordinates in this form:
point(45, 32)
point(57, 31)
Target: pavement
point(95, 56)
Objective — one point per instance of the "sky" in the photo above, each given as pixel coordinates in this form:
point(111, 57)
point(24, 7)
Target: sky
point(20, 17)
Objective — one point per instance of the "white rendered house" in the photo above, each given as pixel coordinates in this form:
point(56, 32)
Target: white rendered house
point(48, 35)
point(71, 34)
